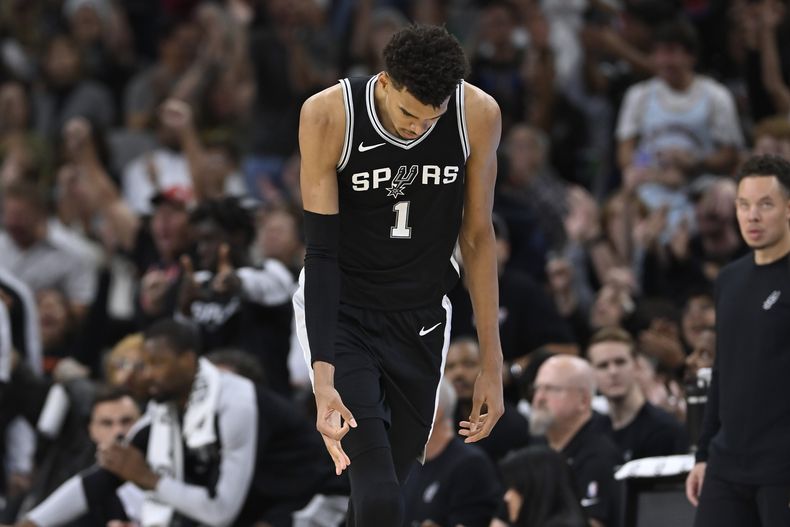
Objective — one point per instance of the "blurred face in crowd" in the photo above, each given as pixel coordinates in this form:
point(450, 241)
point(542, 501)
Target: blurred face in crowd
point(615, 368)
point(168, 374)
point(22, 221)
point(125, 366)
point(14, 113)
point(768, 144)
point(673, 63)
point(112, 419)
point(496, 27)
point(62, 62)
point(557, 398)
point(699, 315)
point(461, 368)
point(279, 236)
point(208, 236)
point(526, 153)
point(53, 315)
point(763, 211)
point(608, 308)
point(170, 230)
point(86, 24)
point(179, 48)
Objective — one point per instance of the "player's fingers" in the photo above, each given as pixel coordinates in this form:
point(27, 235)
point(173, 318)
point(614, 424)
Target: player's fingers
point(691, 490)
point(339, 457)
point(483, 429)
point(474, 417)
point(345, 413)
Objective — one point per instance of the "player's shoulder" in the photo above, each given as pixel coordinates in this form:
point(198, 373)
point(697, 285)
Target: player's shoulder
point(482, 112)
point(478, 103)
point(324, 109)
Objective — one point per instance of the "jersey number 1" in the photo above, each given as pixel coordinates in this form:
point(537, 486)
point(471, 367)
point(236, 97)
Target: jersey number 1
point(401, 228)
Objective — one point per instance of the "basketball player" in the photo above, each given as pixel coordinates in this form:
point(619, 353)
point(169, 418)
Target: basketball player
point(395, 168)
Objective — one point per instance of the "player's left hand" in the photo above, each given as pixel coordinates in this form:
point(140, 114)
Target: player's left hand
point(488, 393)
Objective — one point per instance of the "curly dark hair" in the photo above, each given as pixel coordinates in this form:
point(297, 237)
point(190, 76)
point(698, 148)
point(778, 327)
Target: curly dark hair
point(426, 60)
point(767, 165)
point(229, 214)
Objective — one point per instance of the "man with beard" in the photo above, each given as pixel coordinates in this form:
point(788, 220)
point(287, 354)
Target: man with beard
point(213, 449)
point(562, 411)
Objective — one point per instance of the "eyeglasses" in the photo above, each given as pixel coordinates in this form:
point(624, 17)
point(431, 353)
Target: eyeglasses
point(551, 388)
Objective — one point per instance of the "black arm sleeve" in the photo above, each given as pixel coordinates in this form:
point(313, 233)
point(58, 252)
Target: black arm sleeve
point(321, 283)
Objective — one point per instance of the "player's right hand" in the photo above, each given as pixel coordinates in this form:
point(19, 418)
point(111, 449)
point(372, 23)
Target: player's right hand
point(330, 410)
point(694, 483)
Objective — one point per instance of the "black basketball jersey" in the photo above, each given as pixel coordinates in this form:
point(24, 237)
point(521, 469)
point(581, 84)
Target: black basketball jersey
point(401, 203)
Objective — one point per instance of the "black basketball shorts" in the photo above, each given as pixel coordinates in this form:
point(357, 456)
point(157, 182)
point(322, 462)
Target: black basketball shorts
point(388, 365)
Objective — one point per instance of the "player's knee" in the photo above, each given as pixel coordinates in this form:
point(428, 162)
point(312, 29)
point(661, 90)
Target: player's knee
point(382, 506)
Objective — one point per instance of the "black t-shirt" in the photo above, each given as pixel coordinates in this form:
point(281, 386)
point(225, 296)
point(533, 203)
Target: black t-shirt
point(459, 487)
point(593, 457)
point(653, 432)
point(746, 431)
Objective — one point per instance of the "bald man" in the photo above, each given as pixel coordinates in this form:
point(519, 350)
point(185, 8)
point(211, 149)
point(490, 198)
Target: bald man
point(562, 412)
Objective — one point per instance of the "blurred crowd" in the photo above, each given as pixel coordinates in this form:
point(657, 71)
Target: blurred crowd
point(149, 168)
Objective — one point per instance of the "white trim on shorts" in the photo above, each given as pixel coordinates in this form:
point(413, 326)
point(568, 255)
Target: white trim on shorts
point(448, 308)
point(301, 327)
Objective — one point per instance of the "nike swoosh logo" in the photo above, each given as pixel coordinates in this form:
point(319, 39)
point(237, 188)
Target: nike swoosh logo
point(424, 331)
point(363, 148)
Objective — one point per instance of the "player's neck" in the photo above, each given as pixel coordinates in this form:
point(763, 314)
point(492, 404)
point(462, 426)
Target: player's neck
point(623, 410)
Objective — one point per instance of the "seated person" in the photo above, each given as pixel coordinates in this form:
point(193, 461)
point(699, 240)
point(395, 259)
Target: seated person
point(458, 484)
point(640, 429)
point(562, 411)
point(192, 450)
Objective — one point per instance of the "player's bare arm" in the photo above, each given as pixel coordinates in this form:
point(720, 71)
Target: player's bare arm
point(478, 248)
point(321, 132)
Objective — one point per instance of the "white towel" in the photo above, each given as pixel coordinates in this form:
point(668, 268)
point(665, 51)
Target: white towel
point(165, 444)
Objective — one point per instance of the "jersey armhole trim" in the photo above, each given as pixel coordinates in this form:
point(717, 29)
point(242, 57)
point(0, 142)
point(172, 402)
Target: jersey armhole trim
point(348, 106)
point(461, 117)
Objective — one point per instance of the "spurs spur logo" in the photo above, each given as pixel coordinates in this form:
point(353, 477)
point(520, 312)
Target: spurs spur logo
point(771, 300)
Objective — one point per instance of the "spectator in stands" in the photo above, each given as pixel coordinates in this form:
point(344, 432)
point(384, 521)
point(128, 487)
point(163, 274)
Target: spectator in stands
point(111, 414)
point(200, 436)
point(24, 154)
point(675, 127)
point(234, 303)
point(540, 491)
point(280, 237)
point(32, 256)
point(178, 161)
point(561, 410)
point(640, 429)
point(772, 136)
point(66, 93)
point(528, 318)
point(124, 365)
point(458, 483)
